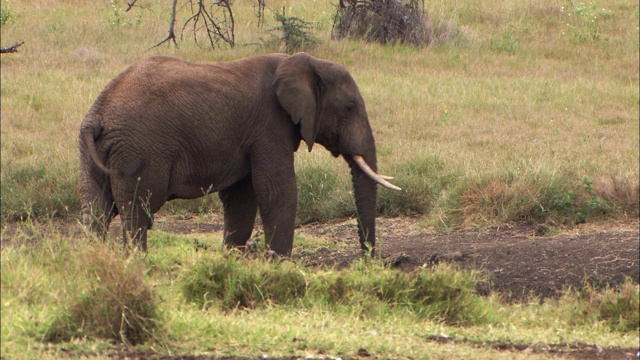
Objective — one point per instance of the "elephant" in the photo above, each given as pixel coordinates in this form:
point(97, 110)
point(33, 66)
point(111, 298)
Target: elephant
point(168, 129)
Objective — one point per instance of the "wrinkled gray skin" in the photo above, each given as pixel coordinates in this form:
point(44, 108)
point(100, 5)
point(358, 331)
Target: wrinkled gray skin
point(167, 129)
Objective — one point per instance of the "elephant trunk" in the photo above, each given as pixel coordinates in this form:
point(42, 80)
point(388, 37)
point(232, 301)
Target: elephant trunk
point(365, 193)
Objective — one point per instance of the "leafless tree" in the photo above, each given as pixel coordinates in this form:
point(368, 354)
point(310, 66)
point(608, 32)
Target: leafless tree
point(261, 4)
point(213, 19)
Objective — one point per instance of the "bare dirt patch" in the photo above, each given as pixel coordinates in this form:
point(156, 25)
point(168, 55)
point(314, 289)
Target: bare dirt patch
point(519, 258)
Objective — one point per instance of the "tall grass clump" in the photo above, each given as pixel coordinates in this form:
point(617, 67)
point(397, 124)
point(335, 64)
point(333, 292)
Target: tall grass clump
point(317, 186)
point(35, 190)
point(442, 293)
point(541, 196)
point(109, 298)
point(619, 308)
point(230, 281)
point(422, 179)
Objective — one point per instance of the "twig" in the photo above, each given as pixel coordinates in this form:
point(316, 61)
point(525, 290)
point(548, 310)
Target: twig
point(260, 13)
point(130, 5)
point(11, 49)
point(216, 29)
point(172, 35)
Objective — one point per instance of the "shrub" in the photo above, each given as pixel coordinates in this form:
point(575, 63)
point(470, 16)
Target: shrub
point(296, 33)
point(6, 14)
point(382, 21)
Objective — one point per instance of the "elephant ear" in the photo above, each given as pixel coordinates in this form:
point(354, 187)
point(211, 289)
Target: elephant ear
point(297, 87)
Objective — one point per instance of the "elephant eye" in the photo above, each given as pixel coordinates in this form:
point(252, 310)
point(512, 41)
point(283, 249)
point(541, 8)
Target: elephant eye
point(348, 109)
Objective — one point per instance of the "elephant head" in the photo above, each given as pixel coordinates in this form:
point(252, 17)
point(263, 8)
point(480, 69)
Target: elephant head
point(323, 99)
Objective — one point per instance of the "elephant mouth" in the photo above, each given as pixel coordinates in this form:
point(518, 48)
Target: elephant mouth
point(380, 179)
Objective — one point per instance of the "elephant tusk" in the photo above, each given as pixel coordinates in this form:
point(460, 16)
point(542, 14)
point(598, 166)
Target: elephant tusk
point(372, 174)
point(386, 177)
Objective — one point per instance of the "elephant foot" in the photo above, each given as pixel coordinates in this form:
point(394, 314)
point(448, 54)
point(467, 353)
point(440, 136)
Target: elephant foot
point(271, 255)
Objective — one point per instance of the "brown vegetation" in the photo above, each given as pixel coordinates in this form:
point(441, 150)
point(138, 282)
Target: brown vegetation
point(385, 22)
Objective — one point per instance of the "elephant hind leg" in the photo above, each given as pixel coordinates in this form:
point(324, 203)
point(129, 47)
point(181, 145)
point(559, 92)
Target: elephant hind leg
point(136, 202)
point(136, 220)
point(240, 209)
point(98, 207)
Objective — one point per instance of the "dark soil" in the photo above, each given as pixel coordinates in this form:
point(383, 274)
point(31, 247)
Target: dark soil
point(519, 259)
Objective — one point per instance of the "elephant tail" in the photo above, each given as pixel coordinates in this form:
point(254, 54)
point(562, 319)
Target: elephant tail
point(88, 134)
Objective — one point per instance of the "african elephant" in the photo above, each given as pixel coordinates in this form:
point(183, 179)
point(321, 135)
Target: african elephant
point(165, 129)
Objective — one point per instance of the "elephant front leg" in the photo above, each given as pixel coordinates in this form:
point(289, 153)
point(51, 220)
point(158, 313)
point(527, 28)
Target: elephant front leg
point(240, 208)
point(277, 201)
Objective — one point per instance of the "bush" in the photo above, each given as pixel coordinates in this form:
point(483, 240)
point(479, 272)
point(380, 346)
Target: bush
point(6, 14)
point(296, 33)
point(382, 21)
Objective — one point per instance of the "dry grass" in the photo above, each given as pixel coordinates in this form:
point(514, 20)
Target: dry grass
point(116, 303)
point(514, 102)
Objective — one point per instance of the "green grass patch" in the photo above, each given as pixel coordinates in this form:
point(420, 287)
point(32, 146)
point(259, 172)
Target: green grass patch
point(230, 281)
point(617, 308)
point(71, 295)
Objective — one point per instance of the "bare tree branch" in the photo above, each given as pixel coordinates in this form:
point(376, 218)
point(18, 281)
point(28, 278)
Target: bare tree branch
point(260, 12)
point(171, 36)
point(11, 49)
point(217, 29)
point(213, 17)
point(130, 5)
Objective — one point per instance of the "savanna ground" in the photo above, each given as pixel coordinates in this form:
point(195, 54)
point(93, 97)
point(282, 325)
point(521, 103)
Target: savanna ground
point(521, 263)
point(515, 136)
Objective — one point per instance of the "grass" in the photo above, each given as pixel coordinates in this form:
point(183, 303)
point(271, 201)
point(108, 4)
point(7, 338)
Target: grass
point(64, 294)
point(520, 111)
point(505, 115)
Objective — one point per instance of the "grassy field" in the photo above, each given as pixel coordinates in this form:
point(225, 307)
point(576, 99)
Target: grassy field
point(521, 111)
point(527, 111)
point(181, 299)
